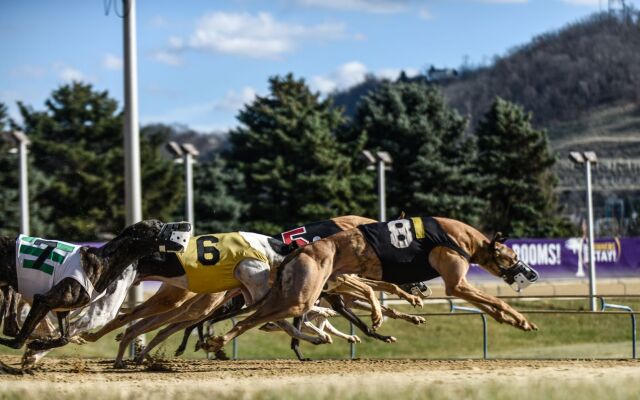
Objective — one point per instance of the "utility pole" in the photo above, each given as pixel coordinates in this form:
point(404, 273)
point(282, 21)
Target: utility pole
point(132, 189)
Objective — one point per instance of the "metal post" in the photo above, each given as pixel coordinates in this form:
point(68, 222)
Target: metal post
point(592, 261)
point(24, 187)
point(132, 190)
point(352, 345)
point(188, 178)
point(382, 203)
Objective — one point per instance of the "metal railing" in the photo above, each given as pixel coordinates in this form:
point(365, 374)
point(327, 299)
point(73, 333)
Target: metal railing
point(459, 311)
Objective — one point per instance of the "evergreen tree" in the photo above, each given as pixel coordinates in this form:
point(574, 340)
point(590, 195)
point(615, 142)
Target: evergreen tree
point(431, 172)
point(295, 171)
point(9, 196)
point(517, 181)
point(77, 145)
point(216, 209)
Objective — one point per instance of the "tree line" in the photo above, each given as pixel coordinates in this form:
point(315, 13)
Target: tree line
point(294, 158)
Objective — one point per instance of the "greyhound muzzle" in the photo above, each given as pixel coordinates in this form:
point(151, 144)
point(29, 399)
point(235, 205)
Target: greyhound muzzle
point(520, 276)
point(174, 237)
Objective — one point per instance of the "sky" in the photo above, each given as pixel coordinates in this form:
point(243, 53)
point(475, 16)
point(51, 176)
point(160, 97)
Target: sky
point(200, 61)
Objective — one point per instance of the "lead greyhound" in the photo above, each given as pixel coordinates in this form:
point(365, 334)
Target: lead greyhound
point(63, 277)
point(399, 251)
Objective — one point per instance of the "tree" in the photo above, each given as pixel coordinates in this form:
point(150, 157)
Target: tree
point(431, 172)
point(9, 197)
point(77, 145)
point(294, 169)
point(517, 181)
point(216, 209)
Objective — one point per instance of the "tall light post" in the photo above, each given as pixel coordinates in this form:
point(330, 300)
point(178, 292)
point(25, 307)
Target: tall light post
point(587, 158)
point(186, 154)
point(22, 141)
point(132, 188)
point(380, 161)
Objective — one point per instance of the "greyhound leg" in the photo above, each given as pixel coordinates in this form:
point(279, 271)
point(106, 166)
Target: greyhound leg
point(349, 285)
point(11, 326)
point(392, 289)
point(167, 298)
point(338, 304)
point(327, 326)
point(63, 326)
point(185, 338)
point(295, 342)
point(38, 311)
point(495, 307)
point(389, 312)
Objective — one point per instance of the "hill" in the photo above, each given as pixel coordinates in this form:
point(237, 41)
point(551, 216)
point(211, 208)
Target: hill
point(582, 83)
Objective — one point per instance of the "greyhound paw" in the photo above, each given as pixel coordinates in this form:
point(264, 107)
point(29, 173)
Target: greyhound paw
point(179, 351)
point(415, 301)
point(213, 344)
point(221, 355)
point(353, 339)
point(119, 336)
point(88, 337)
point(119, 364)
point(139, 359)
point(390, 339)
point(416, 319)
point(77, 340)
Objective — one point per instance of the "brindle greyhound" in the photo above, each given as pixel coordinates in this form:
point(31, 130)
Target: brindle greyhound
point(303, 274)
point(101, 266)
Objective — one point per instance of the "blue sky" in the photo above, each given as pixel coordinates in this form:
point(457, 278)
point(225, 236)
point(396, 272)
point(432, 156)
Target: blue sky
point(199, 61)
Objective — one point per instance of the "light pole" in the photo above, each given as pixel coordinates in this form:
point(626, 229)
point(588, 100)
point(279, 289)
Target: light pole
point(132, 186)
point(23, 141)
point(186, 153)
point(587, 158)
point(380, 161)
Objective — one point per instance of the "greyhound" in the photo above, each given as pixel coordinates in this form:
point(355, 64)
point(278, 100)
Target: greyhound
point(401, 251)
point(62, 277)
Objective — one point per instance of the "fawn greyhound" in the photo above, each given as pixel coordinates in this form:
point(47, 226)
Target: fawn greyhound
point(401, 251)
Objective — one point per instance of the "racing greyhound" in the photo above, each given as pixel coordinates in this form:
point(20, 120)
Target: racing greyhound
point(400, 251)
point(60, 276)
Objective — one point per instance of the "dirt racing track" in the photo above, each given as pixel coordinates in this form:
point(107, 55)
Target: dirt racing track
point(196, 379)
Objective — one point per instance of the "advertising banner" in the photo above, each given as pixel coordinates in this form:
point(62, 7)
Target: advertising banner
point(569, 258)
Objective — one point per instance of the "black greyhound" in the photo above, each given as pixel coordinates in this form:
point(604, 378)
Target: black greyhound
point(101, 265)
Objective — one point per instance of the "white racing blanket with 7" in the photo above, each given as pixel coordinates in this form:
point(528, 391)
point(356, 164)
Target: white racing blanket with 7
point(42, 263)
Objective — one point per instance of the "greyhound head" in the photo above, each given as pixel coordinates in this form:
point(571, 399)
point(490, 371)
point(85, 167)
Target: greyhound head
point(503, 262)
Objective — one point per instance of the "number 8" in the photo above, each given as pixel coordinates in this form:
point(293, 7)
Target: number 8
point(401, 236)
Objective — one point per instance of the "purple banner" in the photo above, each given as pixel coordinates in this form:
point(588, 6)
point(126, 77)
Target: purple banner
point(569, 258)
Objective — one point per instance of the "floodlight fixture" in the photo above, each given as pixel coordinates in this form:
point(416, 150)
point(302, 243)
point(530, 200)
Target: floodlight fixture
point(19, 137)
point(188, 148)
point(590, 156)
point(384, 156)
point(175, 149)
point(576, 157)
point(368, 156)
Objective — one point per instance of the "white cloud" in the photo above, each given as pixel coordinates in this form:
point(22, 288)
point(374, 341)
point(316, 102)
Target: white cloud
point(167, 57)
point(258, 36)
point(233, 100)
point(353, 73)
point(112, 62)
point(68, 74)
point(373, 6)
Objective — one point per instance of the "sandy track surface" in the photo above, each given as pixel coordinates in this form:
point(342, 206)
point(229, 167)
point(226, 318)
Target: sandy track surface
point(76, 378)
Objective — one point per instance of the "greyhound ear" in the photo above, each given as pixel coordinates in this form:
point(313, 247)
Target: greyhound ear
point(499, 238)
point(401, 215)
